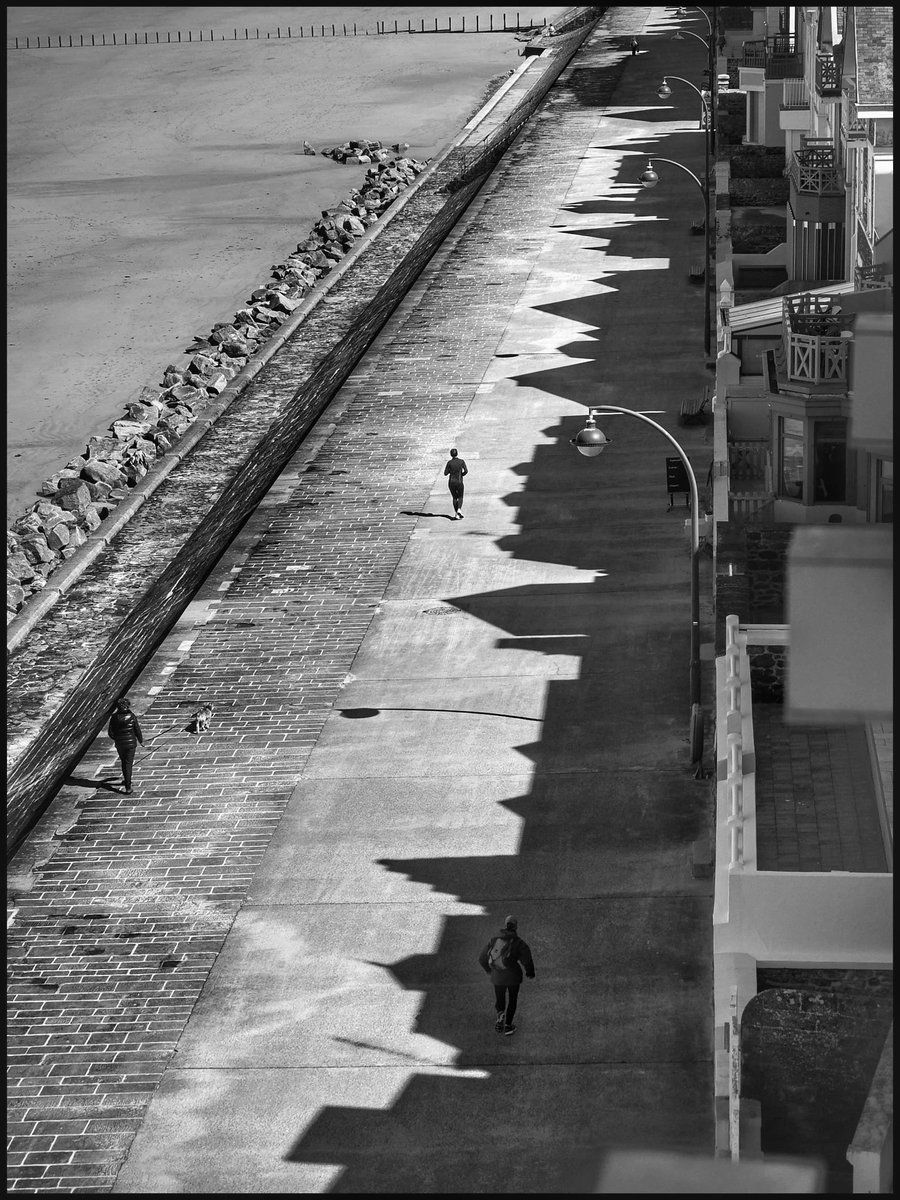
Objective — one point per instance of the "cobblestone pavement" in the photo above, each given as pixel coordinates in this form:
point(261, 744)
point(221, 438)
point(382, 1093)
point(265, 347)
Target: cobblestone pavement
point(122, 906)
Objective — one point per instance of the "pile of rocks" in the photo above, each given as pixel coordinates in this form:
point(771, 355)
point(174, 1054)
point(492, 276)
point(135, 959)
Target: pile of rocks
point(364, 151)
point(76, 499)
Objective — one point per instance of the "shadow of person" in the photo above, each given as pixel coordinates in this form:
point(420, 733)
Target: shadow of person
point(446, 516)
point(100, 785)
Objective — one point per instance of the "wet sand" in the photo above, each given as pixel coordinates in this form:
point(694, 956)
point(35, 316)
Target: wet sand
point(151, 188)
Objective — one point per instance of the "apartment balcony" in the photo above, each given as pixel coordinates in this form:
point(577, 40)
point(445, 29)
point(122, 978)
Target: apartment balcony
point(795, 104)
point(817, 184)
point(828, 76)
point(776, 56)
point(814, 353)
point(815, 169)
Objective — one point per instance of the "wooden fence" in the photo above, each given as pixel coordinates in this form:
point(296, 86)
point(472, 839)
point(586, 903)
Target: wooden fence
point(169, 38)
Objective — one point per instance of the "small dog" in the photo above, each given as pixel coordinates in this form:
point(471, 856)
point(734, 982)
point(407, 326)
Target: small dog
point(201, 718)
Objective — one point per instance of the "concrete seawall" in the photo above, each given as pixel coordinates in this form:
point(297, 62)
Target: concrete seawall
point(90, 644)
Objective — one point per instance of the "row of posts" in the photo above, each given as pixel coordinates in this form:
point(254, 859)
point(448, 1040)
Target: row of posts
point(381, 27)
point(734, 774)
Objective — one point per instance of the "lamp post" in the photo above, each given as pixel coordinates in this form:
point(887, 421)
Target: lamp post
point(708, 43)
point(648, 178)
point(591, 442)
point(664, 92)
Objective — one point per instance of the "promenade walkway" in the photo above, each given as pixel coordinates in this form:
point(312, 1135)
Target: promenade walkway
point(258, 973)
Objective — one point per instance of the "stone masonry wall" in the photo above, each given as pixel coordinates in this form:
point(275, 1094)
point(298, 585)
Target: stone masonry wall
point(808, 1057)
point(767, 568)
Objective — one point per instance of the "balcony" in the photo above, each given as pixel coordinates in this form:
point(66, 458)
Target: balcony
point(816, 342)
point(777, 56)
point(795, 104)
point(828, 76)
point(815, 170)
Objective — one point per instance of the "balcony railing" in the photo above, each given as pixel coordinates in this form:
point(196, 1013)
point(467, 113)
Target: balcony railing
point(795, 93)
point(777, 55)
point(828, 76)
point(815, 170)
point(815, 346)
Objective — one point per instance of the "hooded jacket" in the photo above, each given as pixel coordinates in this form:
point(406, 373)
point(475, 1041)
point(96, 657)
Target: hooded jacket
point(518, 954)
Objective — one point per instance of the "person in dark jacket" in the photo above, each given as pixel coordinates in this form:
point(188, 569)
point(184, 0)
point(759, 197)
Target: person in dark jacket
point(456, 469)
point(634, 47)
point(125, 731)
point(503, 958)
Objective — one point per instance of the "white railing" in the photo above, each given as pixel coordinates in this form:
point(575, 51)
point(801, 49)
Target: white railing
point(815, 359)
point(795, 93)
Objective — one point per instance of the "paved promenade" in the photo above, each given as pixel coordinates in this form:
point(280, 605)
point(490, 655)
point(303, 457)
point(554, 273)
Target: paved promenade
point(258, 973)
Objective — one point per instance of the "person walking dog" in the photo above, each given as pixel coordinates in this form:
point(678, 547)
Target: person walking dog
point(125, 731)
point(456, 468)
point(503, 959)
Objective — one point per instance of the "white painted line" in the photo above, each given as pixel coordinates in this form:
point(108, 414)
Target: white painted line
point(186, 645)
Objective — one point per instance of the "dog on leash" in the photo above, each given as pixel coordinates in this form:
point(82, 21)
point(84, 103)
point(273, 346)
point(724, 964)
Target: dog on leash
point(201, 718)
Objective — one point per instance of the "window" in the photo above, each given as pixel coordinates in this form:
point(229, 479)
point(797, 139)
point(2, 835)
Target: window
point(830, 461)
point(884, 490)
point(791, 454)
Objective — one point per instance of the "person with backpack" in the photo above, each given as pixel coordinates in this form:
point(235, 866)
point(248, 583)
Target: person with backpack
point(503, 959)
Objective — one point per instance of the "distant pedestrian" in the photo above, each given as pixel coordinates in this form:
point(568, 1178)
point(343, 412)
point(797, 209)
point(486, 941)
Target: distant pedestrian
point(125, 731)
point(551, 30)
point(634, 47)
point(503, 958)
point(456, 468)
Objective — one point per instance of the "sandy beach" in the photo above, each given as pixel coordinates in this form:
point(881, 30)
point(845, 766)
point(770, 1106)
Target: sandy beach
point(151, 188)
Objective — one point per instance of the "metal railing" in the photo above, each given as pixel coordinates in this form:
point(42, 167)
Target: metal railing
point(795, 93)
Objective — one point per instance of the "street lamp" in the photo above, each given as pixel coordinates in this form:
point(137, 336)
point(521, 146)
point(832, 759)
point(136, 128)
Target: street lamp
point(664, 92)
point(679, 36)
point(648, 178)
point(591, 442)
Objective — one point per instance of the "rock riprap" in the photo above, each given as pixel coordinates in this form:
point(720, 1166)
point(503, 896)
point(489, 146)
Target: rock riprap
point(75, 500)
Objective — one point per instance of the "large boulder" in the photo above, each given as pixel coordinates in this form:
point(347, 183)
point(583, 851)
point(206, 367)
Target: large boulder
point(19, 567)
point(50, 514)
point(73, 495)
point(15, 597)
point(216, 384)
point(58, 537)
point(96, 470)
point(36, 550)
point(91, 518)
point(183, 394)
point(129, 429)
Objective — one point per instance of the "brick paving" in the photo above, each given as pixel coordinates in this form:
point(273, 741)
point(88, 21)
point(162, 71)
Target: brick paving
point(816, 807)
point(123, 908)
